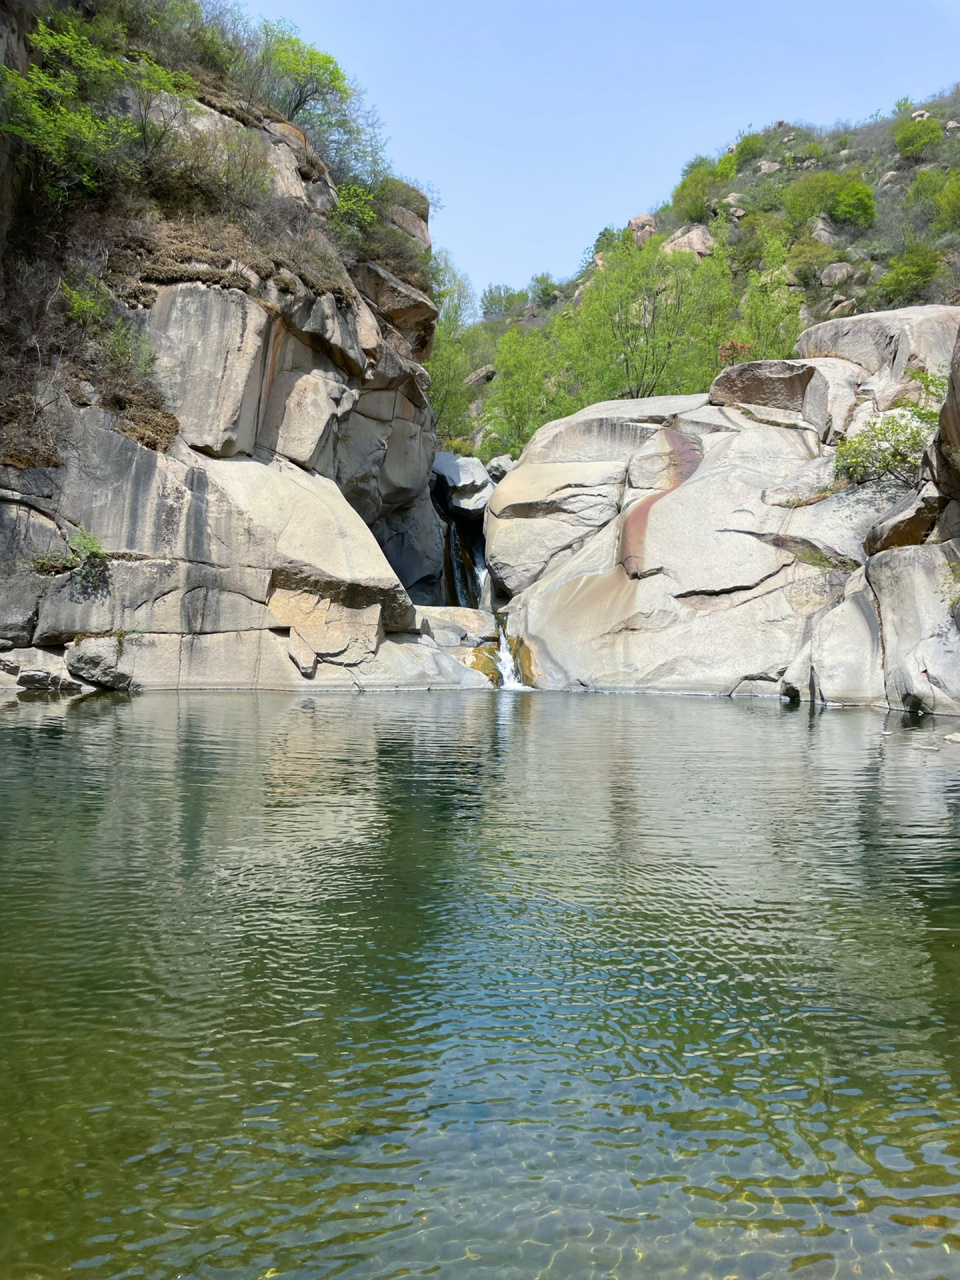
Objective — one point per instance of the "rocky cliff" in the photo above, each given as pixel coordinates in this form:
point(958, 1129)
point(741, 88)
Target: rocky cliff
point(701, 543)
point(264, 506)
point(288, 533)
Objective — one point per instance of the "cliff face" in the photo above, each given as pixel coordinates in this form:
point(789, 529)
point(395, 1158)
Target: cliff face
point(261, 511)
point(702, 544)
point(288, 533)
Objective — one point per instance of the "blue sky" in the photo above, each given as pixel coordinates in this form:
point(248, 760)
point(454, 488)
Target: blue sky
point(541, 121)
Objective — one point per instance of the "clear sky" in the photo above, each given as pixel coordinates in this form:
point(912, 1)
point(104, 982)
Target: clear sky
point(541, 121)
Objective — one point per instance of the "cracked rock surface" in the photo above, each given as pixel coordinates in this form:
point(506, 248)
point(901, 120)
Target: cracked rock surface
point(706, 547)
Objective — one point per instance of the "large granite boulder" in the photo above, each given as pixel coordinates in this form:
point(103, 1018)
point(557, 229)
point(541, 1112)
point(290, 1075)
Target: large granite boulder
point(888, 344)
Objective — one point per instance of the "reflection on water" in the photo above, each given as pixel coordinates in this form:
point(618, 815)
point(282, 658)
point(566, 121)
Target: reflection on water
point(454, 985)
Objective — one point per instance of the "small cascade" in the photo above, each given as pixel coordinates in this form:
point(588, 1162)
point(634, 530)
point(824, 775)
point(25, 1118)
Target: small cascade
point(506, 663)
point(462, 594)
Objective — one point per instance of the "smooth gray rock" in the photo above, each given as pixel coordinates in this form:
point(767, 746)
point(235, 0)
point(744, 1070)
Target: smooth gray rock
point(413, 539)
point(210, 350)
point(908, 521)
point(498, 467)
point(469, 485)
point(822, 392)
point(918, 591)
point(541, 509)
point(887, 344)
point(121, 596)
point(610, 431)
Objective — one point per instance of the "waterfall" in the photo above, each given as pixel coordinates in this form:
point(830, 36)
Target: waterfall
point(461, 585)
point(506, 663)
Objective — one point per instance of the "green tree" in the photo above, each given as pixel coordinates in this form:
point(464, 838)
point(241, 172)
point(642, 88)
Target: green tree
point(946, 202)
point(916, 138)
point(909, 274)
point(691, 197)
point(841, 195)
point(500, 302)
point(750, 147)
point(525, 393)
point(770, 310)
point(297, 78)
point(449, 364)
point(64, 109)
point(543, 289)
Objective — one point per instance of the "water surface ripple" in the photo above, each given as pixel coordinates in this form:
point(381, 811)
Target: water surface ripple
point(505, 986)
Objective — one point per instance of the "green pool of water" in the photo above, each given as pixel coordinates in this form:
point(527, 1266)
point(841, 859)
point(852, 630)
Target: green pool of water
point(478, 986)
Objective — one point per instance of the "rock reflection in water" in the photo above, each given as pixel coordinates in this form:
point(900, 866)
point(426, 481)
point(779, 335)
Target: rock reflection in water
point(463, 984)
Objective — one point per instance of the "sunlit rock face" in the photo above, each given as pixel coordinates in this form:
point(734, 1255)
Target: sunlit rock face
point(707, 547)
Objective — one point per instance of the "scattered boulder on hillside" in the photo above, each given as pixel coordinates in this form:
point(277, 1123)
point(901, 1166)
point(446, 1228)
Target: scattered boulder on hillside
point(696, 240)
point(825, 231)
point(644, 228)
point(836, 273)
point(480, 377)
point(498, 467)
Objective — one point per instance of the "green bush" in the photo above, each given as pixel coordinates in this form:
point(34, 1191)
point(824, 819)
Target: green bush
point(808, 258)
point(841, 195)
point(691, 197)
point(354, 208)
point(725, 170)
point(946, 202)
point(750, 147)
point(500, 302)
point(814, 151)
point(63, 109)
point(854, 204)
point(925, 187)
point(891, 445)
point(916, 138)
point(894, 443)
point(296, 77)
point(909, 274)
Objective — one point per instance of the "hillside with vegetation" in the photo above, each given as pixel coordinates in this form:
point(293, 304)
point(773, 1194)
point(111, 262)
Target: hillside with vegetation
point(140, 149)
point(790, 226)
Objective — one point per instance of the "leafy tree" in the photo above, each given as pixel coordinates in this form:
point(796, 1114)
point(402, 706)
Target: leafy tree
point(525, 394)
point(542, 289)
point(750, 147)
point(916, 138)
point(909, 274)
point(500, 302)
point(691, 197)
point(725, 170)
point(843, 196)
point(648, 323)
point(893, 444)
point(946, 202)
point(925, 187)
point(808, 258)
point(449, 363)
point(296, 77)
point(770, 310)
point(854, 204)
point(64, 109)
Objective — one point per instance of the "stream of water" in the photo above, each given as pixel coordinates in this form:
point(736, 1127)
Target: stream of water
point(465, 985)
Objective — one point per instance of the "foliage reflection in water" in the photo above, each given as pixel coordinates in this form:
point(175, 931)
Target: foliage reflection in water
point(553, 986)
